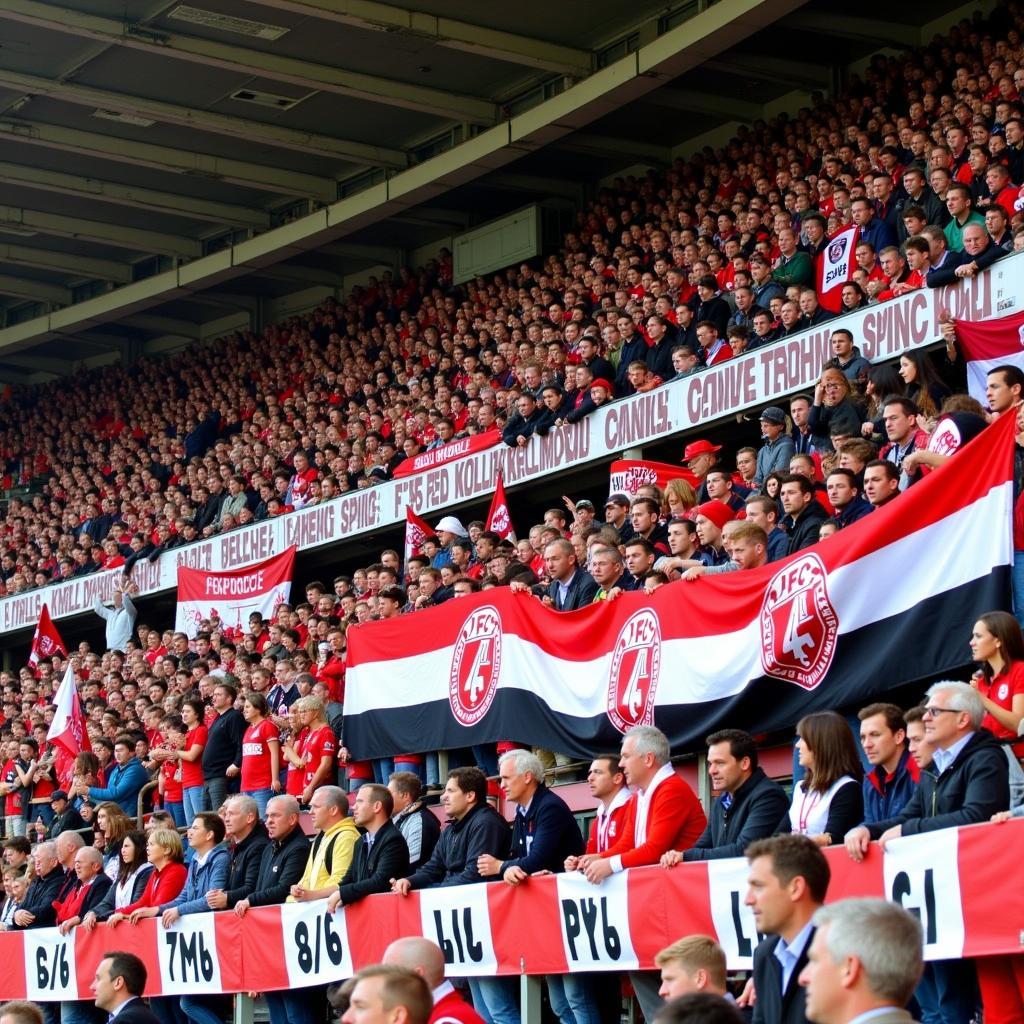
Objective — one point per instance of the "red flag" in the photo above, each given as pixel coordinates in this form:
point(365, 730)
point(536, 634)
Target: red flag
point(986, 344)
point(417, 530)
point(46, 641)
point(499, 520)
point(67, 730)
point(836, 264)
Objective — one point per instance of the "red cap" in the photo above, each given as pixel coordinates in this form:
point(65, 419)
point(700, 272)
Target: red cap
point(718, 512)
point(600, 382)
point(700, 447)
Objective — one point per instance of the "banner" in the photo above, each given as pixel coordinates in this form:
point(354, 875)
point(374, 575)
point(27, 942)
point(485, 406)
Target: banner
point(457, 449)
point(988, 344)
point(954, 880)
point(827, 627)
point(46, 641)
point(836, 264)
point(751, 381)
point(627, 476)
point(499, 519)
point(233, 596)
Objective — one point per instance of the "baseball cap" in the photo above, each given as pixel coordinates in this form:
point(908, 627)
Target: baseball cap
point(618, 498)
point(585, 503)
point(58, 794)
point(701, 447)
point(773, 414)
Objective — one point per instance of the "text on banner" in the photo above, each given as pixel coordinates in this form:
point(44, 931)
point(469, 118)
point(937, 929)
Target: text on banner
point(595, 922)
point(188, 956)
point(316, 946)
point(50, 965)
point(459, 921)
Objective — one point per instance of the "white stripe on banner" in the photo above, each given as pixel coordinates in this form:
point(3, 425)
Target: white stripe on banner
point(979, 369)
point(719, 665)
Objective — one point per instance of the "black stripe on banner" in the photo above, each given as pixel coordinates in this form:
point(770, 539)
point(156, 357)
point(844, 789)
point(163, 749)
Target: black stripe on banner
point(922, 644)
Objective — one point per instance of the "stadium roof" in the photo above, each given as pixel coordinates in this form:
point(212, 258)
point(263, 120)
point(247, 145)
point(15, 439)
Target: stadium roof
point(139, 137)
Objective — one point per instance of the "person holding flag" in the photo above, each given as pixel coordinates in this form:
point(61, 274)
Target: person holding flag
point(46, 642)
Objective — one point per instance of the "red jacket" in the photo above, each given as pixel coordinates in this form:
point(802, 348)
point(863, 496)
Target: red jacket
point(162, 887)
point(616, 825)
point(675, 821)
point(451, 1008)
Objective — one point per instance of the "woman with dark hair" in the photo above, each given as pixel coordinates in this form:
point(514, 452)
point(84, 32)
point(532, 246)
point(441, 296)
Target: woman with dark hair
point(923, 383)
point(828, 801)
point(883, 380)
point(998, 643)
point(132, 874)
point(191, 757)
point(261, 751)
point(111, 826)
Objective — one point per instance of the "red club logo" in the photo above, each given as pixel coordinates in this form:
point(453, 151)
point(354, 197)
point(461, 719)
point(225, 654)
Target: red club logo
point(476, 666)
point(799, 625)
point(499, 524)
point(633, 678)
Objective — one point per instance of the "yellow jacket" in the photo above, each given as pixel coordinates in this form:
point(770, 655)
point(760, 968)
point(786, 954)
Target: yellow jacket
point(322, 870)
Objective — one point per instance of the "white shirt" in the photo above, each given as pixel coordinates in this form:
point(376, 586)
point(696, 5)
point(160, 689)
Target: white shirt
point(643, 806)
point(944, 758)
point(604, 819)
point(808, 813)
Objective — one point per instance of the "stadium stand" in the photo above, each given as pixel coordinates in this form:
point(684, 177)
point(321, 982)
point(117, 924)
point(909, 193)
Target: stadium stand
point(661, 277)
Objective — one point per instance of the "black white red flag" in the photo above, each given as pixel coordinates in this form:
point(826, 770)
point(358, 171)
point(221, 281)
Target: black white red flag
point(887, 601)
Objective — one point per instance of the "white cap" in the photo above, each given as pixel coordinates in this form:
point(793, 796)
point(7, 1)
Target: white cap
point(452, 525)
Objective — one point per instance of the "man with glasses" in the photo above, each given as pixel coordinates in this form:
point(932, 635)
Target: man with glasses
point(969, 782)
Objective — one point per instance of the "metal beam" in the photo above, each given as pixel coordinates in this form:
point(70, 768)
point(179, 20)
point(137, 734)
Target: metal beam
point(169, 203)
point(534, 184)
point(805, 75)
point(41, 291)
point(247, 61)
point(302, 275)
point(67, 263)
point(691, 101)
point(135, 239)
point(169, 160)
point(510, 47)
point(163, 325)
point(627, 150)
point(851, 26)
point(226, 125)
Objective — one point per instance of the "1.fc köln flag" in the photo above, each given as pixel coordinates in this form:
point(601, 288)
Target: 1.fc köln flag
point(987, 344)
point(417, 530)
point(887, 601)
point(627, 476)
point(67, 730)
point(233, 595)
point(499, 520)
point(46, 641)
point(835, 266)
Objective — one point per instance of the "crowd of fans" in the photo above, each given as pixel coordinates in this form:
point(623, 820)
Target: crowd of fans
point(233, 735)
point(661, 276)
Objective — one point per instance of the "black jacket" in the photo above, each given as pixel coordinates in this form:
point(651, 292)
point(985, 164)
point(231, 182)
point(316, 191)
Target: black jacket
point(106, 907)
point(804, 531)
point(453, 861)
point(372, 872)
point(41, 894)
point(246, 858)
point(137, 1012)
point(281, 867)
point(69, 821)
point(96, 895)
point(545, 835)
point(581, 591)
point(754, 813)
point(519, 425)
point(774, 1006)
point(223, 744)
point(632, 351)
point(973, 788)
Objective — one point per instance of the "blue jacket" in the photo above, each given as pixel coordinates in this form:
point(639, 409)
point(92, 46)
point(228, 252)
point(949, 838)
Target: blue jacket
point(213, 874)
point(124, 782)
point(857, 509)
point(545, 835)
point(884, 798)
point(878, 233)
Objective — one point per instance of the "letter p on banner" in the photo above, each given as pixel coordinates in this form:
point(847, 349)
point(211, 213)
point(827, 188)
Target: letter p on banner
point(595, 923)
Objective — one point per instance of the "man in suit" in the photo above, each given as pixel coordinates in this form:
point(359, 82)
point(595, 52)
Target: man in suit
point(571, 587)
point(426, 959)
point(749, 805)
point(38, 911)
point(863, 964)
point(118, 985)
point(788, 879)
point(380, 854)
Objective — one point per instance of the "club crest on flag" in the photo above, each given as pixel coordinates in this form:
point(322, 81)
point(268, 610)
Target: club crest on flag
point(837, 249)
point(799, 625)
point(476, 666)
point(500, 521)
point(633, 676)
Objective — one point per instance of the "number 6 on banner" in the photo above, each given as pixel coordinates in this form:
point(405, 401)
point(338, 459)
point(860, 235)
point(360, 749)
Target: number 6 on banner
point(316, 945)
point(188, 956)
point(50, 966)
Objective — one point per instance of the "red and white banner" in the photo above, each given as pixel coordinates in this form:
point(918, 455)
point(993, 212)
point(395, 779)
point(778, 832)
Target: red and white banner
point(988, 344)
point(954, 880)
point(824, 628)
point(457, 449)
point(499, 519)
point(235, 595)
point(627, 476)
point(67, 730)
point(417, 530)
point(46, 641)
point(836, 264)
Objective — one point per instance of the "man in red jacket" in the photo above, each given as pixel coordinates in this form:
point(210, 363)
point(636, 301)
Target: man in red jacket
point(663, 814)
point(426, 959)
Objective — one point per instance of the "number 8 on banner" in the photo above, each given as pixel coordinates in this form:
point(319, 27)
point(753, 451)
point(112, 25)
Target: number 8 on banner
point(316, 945)
point(50, 966)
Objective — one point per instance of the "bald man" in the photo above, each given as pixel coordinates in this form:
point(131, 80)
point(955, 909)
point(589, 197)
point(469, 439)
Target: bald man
point(426, 959)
